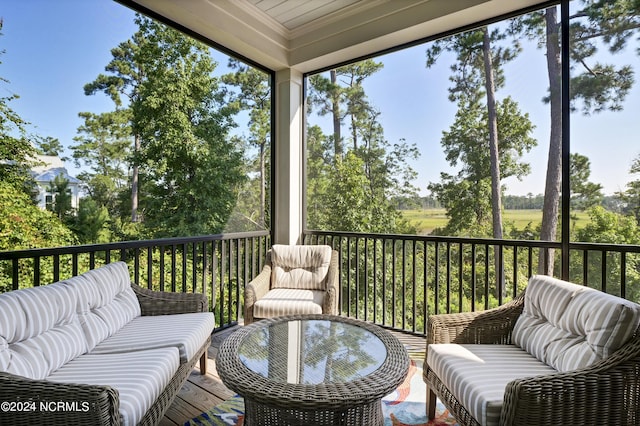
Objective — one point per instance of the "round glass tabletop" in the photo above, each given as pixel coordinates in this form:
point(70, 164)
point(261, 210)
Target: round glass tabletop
point(312, 351)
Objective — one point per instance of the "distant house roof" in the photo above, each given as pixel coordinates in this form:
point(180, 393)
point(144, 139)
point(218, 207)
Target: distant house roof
point(53, 166)
point(50, 174)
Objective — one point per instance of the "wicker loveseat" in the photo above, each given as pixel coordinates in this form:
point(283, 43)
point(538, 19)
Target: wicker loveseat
point(97, 350)
point(560, 353)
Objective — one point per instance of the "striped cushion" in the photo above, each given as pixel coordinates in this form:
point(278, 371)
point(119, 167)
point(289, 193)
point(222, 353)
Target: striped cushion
point(187, 332)
point(282, 301)
point(301, 267)
point(139, 377)
point(478, 374)
point(569, 326)
point(106, 301)
point(39, 330)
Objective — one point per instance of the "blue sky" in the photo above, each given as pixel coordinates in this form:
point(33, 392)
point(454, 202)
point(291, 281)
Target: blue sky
point(420, 111)
point(53, 48)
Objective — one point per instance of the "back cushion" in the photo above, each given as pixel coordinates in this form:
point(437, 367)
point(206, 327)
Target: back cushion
point(106, 301)
point(300, 267)
point(39, 330)
point(569, 326)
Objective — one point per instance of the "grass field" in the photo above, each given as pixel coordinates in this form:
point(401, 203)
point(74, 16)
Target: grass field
point(428, 219)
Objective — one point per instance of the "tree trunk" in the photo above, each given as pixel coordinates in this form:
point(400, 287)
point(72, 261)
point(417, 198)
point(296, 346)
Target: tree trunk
point(496, 196)
point(335, 111)
point(263, 184)
point(554, 162)
point(134, 183)
point(354, 132)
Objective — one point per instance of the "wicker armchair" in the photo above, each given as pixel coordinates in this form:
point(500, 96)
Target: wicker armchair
point(294, 280)
point(607, 392)
point(95, 404)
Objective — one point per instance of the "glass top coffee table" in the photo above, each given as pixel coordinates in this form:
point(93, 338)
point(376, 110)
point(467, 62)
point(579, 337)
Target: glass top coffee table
point(312, 370)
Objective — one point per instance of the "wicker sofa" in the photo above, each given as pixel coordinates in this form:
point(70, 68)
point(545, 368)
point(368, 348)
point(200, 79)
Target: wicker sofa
point(97, 350)
point(560, 353)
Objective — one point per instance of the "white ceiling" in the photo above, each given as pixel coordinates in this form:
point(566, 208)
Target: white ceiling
point(295, 14)
point(308, 35)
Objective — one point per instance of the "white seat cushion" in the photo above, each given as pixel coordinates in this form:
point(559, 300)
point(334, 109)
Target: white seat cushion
point(300, 267)
point(187, 332)
point(286, 301)
point(39, 330)
point(478, 374)
point(139, 377)
point(570, 326)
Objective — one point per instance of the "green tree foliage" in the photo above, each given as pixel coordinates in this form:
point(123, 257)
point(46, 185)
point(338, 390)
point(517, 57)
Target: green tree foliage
point(362, 176)
point(611, 228)
point(346, 198)
point(47, 145)
point(584, 194)
point(126, 73)
point(92, 223)
point(103, 145)
point(467, 195)
point(318, 183)
point(476, 75)
point(342, 96)
point(185, 170)
point(192, 169)
point(253, 94)
point(61, 202)
point(16, 153)
point(594, 86)
point(631, 197)
point(23, 225)
point(355, 193)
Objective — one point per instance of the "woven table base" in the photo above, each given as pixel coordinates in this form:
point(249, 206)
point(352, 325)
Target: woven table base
point(368, 414)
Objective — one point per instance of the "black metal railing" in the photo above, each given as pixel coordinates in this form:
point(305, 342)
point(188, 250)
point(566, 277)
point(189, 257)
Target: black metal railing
point(216, 265)
point(395, 281)
point(398, 280)
point(612, 268)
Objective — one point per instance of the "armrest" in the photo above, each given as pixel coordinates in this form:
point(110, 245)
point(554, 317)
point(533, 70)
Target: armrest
point(490, 326)
point(333, 291)
point(167, 303)
point(607, 390)
point(256, 290)
point(27, 401)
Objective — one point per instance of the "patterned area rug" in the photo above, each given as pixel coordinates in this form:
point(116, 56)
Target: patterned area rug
point(406, 406)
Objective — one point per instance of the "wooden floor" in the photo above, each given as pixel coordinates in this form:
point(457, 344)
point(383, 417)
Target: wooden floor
point(200, 393)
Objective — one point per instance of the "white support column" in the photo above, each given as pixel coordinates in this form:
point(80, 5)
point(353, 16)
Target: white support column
point(288, 167)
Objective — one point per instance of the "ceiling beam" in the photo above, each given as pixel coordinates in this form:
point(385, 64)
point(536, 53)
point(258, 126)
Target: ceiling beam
point(363, 29)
